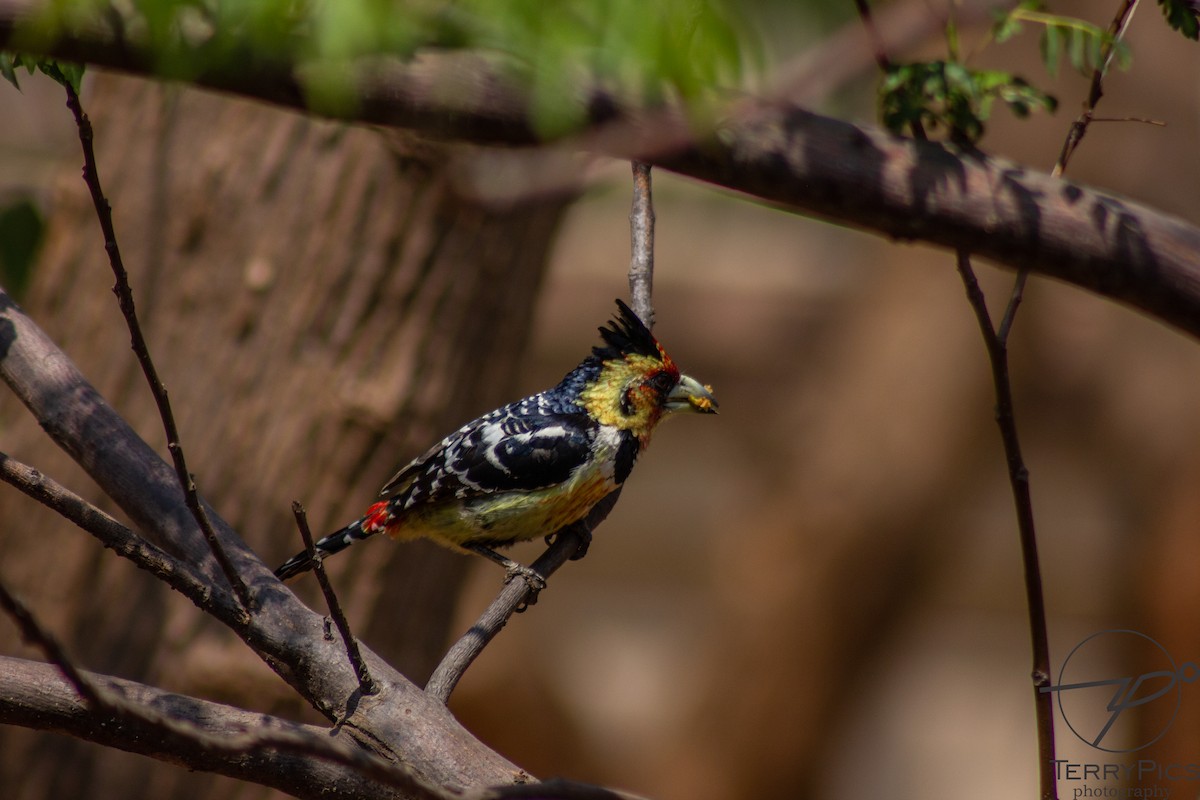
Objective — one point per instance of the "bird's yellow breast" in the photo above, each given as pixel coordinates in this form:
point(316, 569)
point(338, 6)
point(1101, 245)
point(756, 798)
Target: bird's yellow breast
point(515, 516)
point(505, 517)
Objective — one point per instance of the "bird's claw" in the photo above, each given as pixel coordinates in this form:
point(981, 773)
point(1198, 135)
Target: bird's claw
point(585, 541)
point(533, 580)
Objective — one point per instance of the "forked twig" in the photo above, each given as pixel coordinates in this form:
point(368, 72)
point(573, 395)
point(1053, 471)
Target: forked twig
point(996, 343)
point(91, 177)
point(365, 682)
point(1018, 477)
point(1079, 127)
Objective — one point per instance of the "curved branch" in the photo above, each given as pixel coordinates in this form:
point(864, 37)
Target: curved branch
point(302, 760)
point(774, 151)
point(230, 741)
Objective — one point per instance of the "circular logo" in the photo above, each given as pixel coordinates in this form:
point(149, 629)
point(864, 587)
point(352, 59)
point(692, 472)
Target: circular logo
point(1094, 697)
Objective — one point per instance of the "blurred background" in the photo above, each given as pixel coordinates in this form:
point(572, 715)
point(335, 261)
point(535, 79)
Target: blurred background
point(817, 593)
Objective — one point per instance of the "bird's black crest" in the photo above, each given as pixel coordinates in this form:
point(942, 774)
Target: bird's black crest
point(626, 335)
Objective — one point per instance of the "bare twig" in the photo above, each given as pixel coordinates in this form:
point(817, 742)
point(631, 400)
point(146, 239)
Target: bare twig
point(91, 177)
point(641, 263)
point(566, 545)
point(34, 634)
point(1075, 135)
point(365, 682)
point(996, 342)
point(878, 48)
point(111, 533)
point(1018, 476)
point(1158, 123)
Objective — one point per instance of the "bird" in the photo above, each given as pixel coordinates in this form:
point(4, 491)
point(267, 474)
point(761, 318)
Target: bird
point(532, 467)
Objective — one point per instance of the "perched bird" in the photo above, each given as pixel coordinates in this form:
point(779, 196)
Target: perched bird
point(534, 466)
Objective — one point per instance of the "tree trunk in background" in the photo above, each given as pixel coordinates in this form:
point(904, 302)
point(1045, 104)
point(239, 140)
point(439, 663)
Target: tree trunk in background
point(321, 307)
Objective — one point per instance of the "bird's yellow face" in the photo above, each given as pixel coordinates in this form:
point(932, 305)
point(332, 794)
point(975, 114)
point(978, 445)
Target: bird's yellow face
point(635, 392)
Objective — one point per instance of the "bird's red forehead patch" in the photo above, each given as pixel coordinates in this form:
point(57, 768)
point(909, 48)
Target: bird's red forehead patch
point(666, 359)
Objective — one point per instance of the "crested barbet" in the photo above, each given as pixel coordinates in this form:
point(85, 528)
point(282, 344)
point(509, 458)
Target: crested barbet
point(537, 465)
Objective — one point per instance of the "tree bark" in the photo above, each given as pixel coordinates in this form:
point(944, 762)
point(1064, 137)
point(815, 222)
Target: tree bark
point(321, 306)
point(769, 149)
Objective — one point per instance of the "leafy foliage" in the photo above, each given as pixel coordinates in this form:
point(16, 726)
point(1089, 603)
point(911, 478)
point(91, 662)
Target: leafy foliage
point(1086, 46)
point(21, 229)
point(1183, 16)
point(65, 73)
point(947, 95)
point(670, 48)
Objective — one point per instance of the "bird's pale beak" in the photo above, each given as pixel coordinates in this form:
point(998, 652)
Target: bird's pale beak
point(690, 395)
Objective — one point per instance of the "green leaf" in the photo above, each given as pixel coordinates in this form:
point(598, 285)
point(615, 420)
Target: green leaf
point(1076, 49)
point(951, 97)
point(1085, 45)
point(21, 233)
point(1183, 16)
point(646, 52)
point(1007, 24)
point(8, 69)
point(1051, 47)
point(64, 72)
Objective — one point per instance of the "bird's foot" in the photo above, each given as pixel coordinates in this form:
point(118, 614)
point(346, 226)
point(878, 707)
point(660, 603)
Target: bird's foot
point(585, 541)
point(532, 579)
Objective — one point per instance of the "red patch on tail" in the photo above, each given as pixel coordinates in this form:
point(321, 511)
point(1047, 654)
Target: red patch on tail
point(377, 517)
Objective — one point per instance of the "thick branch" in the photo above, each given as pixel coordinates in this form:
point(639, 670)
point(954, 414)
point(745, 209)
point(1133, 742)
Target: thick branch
point(36, 695)
point(780, 153)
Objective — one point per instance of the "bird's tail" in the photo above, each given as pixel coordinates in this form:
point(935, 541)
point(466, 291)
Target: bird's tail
point(333, 543)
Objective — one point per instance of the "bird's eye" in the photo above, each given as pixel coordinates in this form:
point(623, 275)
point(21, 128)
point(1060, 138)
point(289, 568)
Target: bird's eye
point(662, 382)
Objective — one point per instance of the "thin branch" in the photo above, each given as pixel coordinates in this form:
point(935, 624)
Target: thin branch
point(1158, 123)
point(1018, 476)
point(365, 682)
point(91, 177)
point(997, 349)
point(641, 263)
point(111, 533)
point(878, 48)
point(570, 542)
point(33, 633)
point(1010, 311)
point(1075, 135)
point(567, 543)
